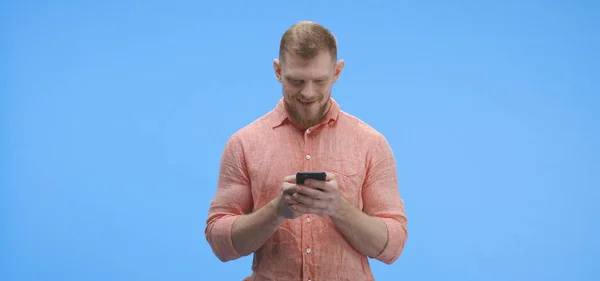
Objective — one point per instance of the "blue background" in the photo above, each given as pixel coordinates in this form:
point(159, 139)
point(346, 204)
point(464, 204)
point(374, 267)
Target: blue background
point(115, 113)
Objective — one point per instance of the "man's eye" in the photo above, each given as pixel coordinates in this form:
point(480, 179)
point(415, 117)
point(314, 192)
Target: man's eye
point(294, 81)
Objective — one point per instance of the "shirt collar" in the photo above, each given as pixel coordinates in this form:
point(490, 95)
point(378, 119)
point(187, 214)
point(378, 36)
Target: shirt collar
point(281, 114)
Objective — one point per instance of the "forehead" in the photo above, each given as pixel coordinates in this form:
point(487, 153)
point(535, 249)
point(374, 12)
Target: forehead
point(299, 67)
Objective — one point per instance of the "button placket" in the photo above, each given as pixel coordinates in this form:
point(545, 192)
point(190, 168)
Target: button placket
point(306, 227)
point(307, 141)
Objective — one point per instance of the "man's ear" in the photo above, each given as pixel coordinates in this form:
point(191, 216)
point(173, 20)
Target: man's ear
point(277, 70)
point(339, 66)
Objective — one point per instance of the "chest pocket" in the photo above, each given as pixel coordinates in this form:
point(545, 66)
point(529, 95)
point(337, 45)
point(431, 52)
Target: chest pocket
point(349, 174)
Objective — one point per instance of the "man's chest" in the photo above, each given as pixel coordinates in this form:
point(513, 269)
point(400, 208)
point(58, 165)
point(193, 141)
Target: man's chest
point(269, 161)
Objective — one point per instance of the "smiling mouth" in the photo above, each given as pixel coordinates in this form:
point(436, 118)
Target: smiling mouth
point(307, 102)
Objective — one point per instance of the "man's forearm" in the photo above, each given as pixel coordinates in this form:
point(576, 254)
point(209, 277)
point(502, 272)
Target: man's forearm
point(365, 233)
point(250, 232)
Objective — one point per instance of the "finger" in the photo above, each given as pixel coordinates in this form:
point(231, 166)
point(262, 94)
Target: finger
point(303, 209)
point(315, 183)
point(311, 192)
point(288, 199)
point(289, 188)
point(323, 186)
point(290, 179)
point(309, 201)
point(329, 176)
point(306, 209)
point(303, 199)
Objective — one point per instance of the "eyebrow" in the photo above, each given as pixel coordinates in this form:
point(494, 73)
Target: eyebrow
point(322, 77)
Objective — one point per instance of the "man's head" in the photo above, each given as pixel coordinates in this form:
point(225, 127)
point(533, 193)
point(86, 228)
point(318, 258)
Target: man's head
point(307, 68)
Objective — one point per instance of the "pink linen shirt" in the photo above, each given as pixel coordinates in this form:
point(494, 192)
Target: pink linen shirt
point(257, 158)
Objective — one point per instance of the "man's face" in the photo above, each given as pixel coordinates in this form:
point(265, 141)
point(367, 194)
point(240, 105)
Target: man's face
point(307, 85)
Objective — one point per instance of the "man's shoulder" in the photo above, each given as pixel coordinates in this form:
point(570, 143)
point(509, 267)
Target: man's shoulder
point(366, 135)
point(256, 128)
point(359, 126)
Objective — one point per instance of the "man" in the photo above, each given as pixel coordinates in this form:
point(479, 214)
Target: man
point(321, 230)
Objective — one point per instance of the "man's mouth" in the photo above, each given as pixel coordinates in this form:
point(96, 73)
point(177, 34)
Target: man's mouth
point(306, 102)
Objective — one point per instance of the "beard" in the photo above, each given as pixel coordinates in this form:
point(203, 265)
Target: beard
point(306, 118)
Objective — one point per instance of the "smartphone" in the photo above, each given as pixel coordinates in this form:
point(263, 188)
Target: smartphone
point(301, 176)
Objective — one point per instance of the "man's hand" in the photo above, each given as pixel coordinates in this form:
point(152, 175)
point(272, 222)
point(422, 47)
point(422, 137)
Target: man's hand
point(285, 201)
point(317, 197)
point(250, 232)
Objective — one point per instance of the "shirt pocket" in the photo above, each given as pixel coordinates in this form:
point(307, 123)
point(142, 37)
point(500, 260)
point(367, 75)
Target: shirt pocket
point(349, 176)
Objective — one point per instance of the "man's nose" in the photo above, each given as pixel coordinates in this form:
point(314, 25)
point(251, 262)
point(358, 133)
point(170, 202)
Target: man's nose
point(309, 90)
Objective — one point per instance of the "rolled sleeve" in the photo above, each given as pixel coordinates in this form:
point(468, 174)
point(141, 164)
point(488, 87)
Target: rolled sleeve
point(219, 238)
point(381, 198)
point(233, 198)
point(397, 235)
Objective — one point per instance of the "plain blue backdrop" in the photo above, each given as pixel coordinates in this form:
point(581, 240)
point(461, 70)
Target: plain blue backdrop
point(115, 114)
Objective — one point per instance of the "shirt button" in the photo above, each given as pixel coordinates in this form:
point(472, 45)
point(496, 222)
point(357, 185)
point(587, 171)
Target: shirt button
point(308, 250)
point(308, 131)
point(307, 157)
point(307, 219)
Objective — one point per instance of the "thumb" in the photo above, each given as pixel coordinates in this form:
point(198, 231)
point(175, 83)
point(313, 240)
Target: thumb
point(290, 179)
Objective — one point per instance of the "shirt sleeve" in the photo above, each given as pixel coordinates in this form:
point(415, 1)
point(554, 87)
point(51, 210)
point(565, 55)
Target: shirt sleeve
point(381, 198)
point(233, 198)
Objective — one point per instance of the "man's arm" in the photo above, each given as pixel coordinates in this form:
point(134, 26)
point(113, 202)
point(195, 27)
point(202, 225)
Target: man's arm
point(367, 234)
point(250, 232)
point(230, 232)
point(379, 231)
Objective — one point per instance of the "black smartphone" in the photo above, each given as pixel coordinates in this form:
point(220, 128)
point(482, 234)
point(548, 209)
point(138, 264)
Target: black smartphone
point(301, 176)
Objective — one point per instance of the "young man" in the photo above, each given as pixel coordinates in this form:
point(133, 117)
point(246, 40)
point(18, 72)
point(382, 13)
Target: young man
point(320, 230)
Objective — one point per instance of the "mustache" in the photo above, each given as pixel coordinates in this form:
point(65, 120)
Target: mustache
point(305, 99)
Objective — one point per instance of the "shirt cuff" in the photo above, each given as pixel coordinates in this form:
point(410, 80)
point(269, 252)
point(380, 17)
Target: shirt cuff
point(220, 239)
point(397, 235)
